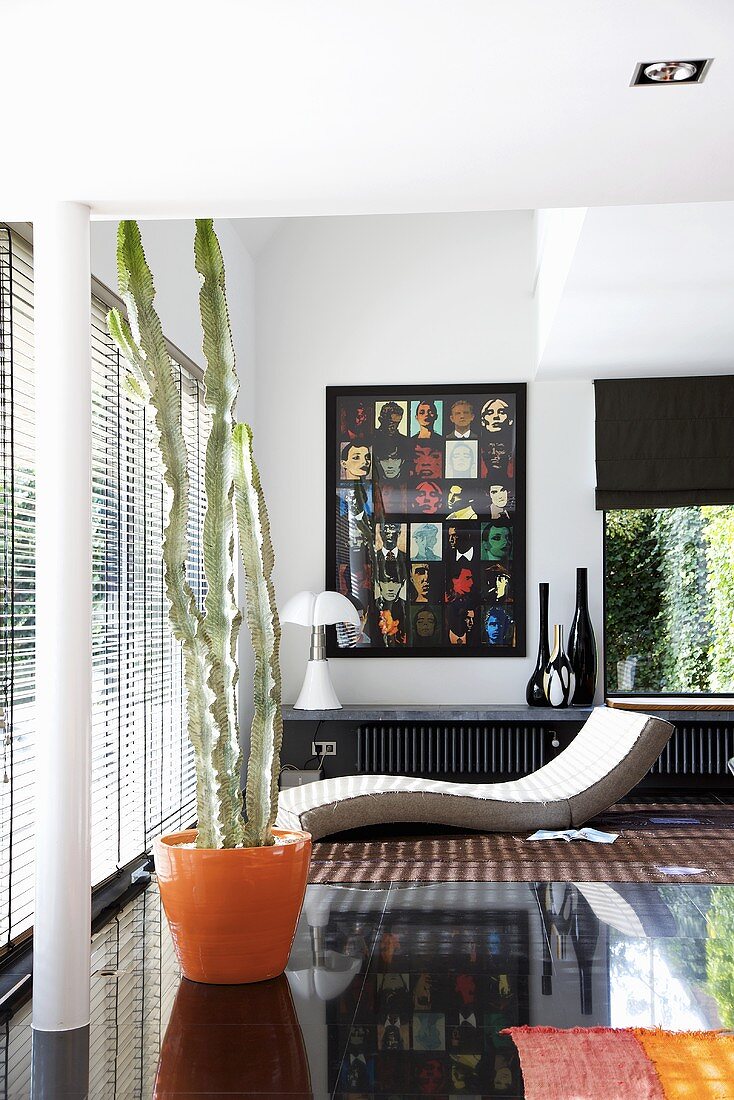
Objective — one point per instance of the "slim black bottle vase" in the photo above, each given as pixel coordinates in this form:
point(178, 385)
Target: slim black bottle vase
point(535, 692)
point(582, 645)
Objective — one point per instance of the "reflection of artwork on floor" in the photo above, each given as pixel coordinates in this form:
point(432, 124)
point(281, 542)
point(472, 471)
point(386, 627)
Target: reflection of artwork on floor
point(425, 524)
point(438, 993)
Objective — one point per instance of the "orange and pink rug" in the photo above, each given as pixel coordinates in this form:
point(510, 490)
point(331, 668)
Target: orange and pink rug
point(624, 1064)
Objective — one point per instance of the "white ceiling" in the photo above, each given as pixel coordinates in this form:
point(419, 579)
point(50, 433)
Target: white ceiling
point(237, 108)
point(263, 109)
point(650, 289)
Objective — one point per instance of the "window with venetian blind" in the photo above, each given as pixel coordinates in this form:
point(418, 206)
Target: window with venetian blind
point(142, 764)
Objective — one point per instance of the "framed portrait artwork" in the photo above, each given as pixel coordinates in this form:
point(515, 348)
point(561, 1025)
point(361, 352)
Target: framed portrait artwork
point(425, 519)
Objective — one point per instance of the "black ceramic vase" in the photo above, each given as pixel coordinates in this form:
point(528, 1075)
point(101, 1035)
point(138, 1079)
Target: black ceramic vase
point(535, 692)
point(582, 646)
point(558, 679)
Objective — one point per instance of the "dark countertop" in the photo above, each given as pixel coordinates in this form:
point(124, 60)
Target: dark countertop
point(496, 712)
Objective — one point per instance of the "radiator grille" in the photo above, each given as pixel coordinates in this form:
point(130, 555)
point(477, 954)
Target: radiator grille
point(456, 750)
point(697, 750)
point(464, 749)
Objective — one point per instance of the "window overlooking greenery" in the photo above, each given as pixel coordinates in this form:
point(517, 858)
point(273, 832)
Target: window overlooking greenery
point(669, 600)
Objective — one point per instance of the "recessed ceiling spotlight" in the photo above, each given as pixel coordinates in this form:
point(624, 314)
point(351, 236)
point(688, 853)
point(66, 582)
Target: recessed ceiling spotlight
point(671, 72)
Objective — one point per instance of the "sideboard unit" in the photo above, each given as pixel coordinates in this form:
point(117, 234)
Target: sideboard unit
point(494, 742)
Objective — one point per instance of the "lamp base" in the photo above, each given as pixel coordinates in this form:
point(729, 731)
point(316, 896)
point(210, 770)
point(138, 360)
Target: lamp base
point(317, 692)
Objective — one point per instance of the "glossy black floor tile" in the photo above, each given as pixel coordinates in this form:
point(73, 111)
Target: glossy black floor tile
point(399, 991)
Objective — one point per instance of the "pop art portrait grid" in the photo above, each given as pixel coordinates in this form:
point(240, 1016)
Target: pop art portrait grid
point(426, 519)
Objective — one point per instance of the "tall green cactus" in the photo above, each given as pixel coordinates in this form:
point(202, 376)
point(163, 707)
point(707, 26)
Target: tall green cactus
point(258, 558)
point(208, 634)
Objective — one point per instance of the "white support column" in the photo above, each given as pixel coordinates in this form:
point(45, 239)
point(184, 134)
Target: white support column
point(61, 942)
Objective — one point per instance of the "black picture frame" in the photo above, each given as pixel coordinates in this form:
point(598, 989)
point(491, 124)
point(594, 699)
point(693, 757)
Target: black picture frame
point(395, 501)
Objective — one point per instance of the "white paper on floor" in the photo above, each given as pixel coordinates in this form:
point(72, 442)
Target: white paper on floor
point(682, 870)
point(675, 820)
point(596, 836)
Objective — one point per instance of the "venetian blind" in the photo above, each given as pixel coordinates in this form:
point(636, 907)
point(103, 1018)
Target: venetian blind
point(17, 599)
point(143, 778)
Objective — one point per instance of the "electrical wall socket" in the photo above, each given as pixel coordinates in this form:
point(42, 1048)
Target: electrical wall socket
point(323, 748)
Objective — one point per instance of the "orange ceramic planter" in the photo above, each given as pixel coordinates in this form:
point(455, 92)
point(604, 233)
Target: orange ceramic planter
point(232, 911)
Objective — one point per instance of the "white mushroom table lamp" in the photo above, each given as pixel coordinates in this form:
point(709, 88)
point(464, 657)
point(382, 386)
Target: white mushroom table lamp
point(318, 612)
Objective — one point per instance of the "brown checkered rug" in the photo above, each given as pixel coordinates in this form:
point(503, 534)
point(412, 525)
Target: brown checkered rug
point(661, 840)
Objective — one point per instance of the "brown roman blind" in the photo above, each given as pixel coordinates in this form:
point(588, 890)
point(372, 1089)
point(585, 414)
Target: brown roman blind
point(664, 442)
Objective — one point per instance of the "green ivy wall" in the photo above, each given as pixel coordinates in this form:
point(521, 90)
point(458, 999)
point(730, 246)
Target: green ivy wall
point(670, 599)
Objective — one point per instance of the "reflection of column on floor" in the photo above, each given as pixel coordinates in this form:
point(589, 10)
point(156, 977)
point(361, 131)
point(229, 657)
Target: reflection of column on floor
point(584, 937)
point(540, 890)
point(566, 914)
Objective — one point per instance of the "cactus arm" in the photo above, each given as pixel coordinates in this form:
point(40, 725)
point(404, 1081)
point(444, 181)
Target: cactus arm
point(138, 374)
point(222, 621)
point(135, 381)
point(253, 525)
point(143, 345)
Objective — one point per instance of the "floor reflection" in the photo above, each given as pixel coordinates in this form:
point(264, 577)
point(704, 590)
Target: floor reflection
point(233, 1039)
point(399, 991)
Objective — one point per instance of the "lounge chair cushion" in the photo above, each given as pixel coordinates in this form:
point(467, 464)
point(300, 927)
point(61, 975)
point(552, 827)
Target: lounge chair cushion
point(611, 753)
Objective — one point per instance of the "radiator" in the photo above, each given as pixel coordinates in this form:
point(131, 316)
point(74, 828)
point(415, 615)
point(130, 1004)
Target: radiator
point(697, 750)
point(515, 750)
point(449, 749)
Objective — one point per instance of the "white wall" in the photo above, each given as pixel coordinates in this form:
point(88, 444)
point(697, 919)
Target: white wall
point(564, 530)
point(648, 293)
point(169, 248)
point(414, 299)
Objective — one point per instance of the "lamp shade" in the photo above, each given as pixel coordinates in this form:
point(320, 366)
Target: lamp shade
point(318, 612)
point(308, 609)
point(332, 607)
point(330, 980)
point(299, 609)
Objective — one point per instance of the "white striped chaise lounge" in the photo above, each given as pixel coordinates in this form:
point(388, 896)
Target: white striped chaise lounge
point(610, 754)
